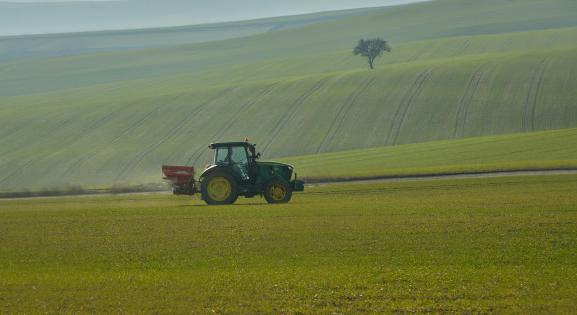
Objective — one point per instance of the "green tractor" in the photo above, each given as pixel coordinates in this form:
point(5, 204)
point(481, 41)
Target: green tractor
point(235, 172)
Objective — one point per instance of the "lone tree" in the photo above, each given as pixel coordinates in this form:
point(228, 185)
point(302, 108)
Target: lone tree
point(371, 48)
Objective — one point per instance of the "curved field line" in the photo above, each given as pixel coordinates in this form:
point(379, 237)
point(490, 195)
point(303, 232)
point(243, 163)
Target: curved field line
point(131, 164)
point(93, 126)
point(531, 100)
point(342, 113)
point(220, 131)
point(13, 135)
point(7, 135)
point(88, 155)
point(406, 101)
point(206, 104)
point(136, 124)
point(16, 171)
point(200, 108)
point(181, 124)
point(291, 112)
point(466, 100)
point(465, 46)
point(75, 139)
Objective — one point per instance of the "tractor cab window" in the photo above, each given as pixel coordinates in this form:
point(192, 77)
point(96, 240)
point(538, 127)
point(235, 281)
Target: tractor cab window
point(238, 155)
point(222, 156)
point(239, 161)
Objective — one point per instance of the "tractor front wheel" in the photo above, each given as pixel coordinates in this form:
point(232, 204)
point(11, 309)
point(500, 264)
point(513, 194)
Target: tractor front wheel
point(278, 191)
point(219, 188)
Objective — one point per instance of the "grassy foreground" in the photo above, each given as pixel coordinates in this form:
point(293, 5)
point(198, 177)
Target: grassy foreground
point(475, 245)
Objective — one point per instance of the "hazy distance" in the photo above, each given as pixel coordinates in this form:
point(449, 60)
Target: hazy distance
point(19, 17)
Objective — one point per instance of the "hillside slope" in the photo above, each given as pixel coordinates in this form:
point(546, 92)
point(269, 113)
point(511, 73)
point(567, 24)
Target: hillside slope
point(555, 149)
point(432, 20)
point(67, 44)
point(58, 16)
point(120, 135)
point(115, 117)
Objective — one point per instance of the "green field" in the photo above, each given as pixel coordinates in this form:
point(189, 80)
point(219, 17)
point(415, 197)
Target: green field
point(500, 245)
point(458, 69)
point(53, 45)
point(469, 87)
point(547, 150)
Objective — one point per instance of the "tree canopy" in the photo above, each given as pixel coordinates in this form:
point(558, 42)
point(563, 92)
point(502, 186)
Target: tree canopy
point(371, 48)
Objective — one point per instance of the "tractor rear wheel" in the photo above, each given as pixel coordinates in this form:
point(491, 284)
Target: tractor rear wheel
point(278, 191)
point(219, 188)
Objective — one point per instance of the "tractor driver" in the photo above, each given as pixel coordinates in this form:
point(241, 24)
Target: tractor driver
point(239, 161)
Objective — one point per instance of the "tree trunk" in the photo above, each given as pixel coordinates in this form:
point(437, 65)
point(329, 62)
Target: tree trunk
point(371, 63)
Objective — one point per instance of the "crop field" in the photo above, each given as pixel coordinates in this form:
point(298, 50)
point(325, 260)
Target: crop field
point(124, 133)
point(546, 150)
point(54, 45)
point(112, 118)
point(504, 245)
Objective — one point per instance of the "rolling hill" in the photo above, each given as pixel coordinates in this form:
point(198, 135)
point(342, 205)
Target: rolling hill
point(459, 69)
point(556, 149)
point(41, 16)
point(68, 44)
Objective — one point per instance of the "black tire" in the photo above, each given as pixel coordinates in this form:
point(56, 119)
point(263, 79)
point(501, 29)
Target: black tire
point(278, 191)
point(217, 193)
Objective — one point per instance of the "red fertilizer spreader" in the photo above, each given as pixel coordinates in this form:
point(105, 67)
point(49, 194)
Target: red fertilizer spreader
point(181, 178)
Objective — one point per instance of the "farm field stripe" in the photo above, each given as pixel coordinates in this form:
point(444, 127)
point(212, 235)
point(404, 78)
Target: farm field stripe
point(220, 131)
point(342, 113)
point(532, 96)
point(141, 155)
point(94, 126)
point(73, 139)
point(206, 104)
point(135, 124)
point(291, 112)
point(16, 171)
point(406, 101)
point(199, 109)
point(88, 156)
point(466, 100)
point(131, 164)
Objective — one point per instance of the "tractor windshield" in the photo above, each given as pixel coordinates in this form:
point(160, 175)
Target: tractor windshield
point(239, 155)
point(222, 156)
point(239, 161)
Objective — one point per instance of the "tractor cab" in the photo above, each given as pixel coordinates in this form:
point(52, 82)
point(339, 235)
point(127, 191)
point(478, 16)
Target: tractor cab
point(239, 156)
point(236, 172)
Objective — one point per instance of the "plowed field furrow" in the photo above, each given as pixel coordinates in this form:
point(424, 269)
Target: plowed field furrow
point(466, 100)
point(132, 164)
point(291, 112)
point(76, 164)
point(401, 113)
point(197, 111)
point(15, 172)
point(342, 113)
point(205, 105)
point(220, 131)
point(532, 98)
point(89, 154)
point(139, 122)
point(73, 138)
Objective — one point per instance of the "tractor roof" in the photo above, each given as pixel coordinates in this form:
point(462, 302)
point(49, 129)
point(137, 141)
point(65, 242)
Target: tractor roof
point(230, 144)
